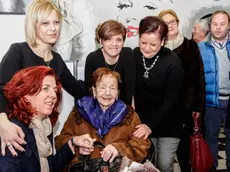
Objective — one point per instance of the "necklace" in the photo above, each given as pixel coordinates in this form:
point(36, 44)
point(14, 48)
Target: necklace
point(40, 54)
point(114, 68)
point(146, 73)
point(47, 63)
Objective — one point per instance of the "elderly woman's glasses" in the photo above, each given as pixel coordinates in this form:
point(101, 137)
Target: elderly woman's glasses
point(172, 22)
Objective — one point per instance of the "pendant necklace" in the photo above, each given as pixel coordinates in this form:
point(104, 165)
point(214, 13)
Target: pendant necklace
point(114, 68)
point(146, 73)
point(47, 63)
point(37, 51)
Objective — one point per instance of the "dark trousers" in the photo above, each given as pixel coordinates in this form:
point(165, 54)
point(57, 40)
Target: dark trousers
point(213, 120)
point(183, 151)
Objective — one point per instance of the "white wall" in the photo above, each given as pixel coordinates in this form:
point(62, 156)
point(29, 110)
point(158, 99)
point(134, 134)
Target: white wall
point(77, 35)
point(135, 10)
point(11, 30)
point(12, 26)
point(65, 107)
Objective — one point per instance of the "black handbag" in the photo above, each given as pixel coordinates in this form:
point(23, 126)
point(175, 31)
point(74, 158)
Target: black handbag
point(97, 164)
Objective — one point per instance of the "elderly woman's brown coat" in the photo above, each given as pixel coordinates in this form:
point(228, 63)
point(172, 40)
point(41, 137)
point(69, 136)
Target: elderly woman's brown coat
point(119, 136)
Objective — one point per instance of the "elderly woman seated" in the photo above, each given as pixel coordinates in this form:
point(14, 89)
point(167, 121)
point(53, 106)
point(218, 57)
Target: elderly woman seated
point(34, 95)
point(107, 119)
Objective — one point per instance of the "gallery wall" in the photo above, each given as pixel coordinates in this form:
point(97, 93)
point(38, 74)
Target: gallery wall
point(11, 30)
point(12, 26)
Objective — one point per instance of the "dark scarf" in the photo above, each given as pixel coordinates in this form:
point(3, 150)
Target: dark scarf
point(91, 110)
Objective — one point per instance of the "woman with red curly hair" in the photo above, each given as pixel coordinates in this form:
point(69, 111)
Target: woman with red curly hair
point(34, 95)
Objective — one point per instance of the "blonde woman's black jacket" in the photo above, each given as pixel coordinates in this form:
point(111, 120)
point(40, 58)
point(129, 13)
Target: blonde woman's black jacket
point(20, 56)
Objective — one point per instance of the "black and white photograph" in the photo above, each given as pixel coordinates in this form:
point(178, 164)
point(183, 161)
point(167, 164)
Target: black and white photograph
point(13, 6)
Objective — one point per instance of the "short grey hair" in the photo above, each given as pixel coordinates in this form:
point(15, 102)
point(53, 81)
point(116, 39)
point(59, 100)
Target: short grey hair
point(204, 25)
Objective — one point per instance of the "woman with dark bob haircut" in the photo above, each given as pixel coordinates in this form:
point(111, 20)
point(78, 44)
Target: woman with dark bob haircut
point(158, 85)
point(34, 95)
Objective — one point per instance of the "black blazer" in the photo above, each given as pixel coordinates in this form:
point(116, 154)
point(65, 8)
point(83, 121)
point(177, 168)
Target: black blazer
point(28, 161)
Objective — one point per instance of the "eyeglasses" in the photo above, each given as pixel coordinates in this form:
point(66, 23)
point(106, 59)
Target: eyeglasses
point(172, 22)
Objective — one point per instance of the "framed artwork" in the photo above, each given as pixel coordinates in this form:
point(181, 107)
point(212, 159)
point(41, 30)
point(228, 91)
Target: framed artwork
point(14, 6)
point(130, 13)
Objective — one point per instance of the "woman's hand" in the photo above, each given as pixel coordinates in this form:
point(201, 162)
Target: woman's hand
point(85, 151)
point(142, 131)
point(12, 136)
point(109, 153)
point(85, 143)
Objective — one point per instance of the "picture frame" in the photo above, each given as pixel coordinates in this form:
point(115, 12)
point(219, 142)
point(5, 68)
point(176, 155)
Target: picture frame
point(15, 7)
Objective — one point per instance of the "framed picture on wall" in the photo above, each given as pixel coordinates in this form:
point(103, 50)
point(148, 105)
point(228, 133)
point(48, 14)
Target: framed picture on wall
point(14, 6)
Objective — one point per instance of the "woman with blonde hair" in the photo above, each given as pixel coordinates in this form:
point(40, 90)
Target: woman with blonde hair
point(42, 29)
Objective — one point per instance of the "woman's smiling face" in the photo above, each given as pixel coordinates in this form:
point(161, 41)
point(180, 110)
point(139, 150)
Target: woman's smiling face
point(106, 91)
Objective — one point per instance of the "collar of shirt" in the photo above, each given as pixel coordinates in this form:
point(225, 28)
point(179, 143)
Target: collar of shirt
point(220, 45)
